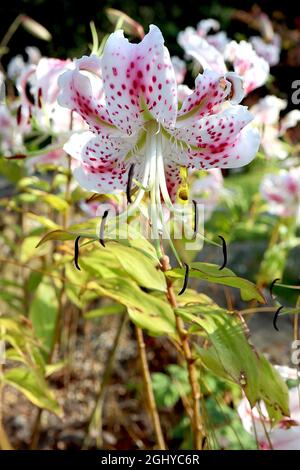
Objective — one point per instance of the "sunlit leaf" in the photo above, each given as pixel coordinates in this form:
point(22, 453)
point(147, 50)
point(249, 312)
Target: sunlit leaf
point(211, 273)
point(43, 313)
point(114, 309)
point(147, 311)
point(33, 386)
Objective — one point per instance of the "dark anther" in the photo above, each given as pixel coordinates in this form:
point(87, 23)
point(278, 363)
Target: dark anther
point(196, 222)
point(272, 286)
point(204, 440)
point(76, 254)
point(186, 279)
point(28, 94)
point(19, 115)
point(102, 227)
point(224, 253)
point(276, 316)
point(129, 183)
point(40, 97)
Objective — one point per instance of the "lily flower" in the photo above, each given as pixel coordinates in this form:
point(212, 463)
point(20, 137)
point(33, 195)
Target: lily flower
point(286, 434)
point(270, 50)
point(267, 117)
point(245, 62)
point(282, 192)
point(206, 189)
point(138, 123)
point(17, 65)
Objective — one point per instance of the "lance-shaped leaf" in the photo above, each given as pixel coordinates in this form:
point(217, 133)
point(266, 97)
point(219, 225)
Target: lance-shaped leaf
point(147, 311)
point(141, 268)
point(232, 357)
point(211, 273)
point(33, 386)
point(114, 309)
point(43, 314)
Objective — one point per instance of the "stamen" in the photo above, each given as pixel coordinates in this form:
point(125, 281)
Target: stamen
point(224, 253)
point(28, 94)
point(102, 227)
point(40, 97)
point(276, 316)
point(129, 183)
point(19, 115)
point(186, 279)
point(76, 253)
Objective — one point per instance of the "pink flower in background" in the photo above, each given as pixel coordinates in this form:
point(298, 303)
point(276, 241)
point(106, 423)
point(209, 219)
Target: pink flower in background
point(267, 117)
point(282, 193)
point(206, 189)
point(219, 39)
point(270, 51)
point(289, 121)
point(179, 69)
point(210, 54)
point(201, 51)
point(17, 65)
point(253, 69)
point(138, 121)
point(11, 139)
point(38, 88)
point(283, 436)
point(96, 208)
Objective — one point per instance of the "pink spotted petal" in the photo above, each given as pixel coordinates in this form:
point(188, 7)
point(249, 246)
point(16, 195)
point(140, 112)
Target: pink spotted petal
point(173, 179)
point(231, 154)
point(214, 130)
point(253, 69)
point(211, 90)
point(136, 76)
point(100, 166)
point(79, 93)
point(237, 92)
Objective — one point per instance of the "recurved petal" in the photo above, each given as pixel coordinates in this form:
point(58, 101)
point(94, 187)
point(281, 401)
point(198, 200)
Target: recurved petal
point(230, 154)
point(138, 77)
point(80, 94)
point(211, 90)
point(100, 162)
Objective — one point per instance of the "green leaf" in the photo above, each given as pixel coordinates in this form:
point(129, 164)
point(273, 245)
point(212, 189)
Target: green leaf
point(44, 221)
point(147, 311)
point(230, 348)
point(231, 357)
point(114, 309)
point(139, 267)
point(56, 235)
point(43, 314)
point(29, 249)
point(273, 390)
point(56, 202)
point(211, 273)
point(34, 387)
